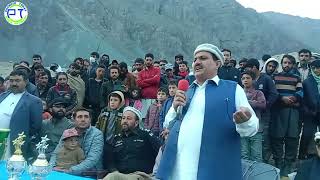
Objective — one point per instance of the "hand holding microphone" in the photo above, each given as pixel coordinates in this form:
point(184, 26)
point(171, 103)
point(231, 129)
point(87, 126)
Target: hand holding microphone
point(180, 99)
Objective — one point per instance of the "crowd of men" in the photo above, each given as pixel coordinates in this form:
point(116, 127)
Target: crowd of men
point(119, 117)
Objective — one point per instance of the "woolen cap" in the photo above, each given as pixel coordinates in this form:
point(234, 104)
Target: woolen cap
point(134, 110)
point(210, 48)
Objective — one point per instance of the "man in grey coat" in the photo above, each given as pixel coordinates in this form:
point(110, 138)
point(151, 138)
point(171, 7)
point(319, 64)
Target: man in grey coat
point(91, 142)
point(20, 112)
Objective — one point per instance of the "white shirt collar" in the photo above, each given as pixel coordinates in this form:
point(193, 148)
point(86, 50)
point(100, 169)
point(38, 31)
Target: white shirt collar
point(215, 79)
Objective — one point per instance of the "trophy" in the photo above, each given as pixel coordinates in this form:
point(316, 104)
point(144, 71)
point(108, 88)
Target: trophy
point(40, 167)
point(16, 163)
point(3, 143)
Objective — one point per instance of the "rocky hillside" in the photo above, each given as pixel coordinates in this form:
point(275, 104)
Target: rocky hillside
point(303, 29)
point(61, 30)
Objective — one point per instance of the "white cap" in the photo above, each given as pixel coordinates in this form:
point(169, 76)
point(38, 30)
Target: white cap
point(134, 110)
point(210, 48)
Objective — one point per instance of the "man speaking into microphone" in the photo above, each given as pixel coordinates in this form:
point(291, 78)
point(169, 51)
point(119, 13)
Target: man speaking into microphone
point(205, 142)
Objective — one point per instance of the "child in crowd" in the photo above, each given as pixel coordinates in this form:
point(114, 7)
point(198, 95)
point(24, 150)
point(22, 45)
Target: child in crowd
point(152, 118)
point(183, 69)
point(109, 121)
point(173, 86)
point(251, 147)
point(45, 114)
point(71, 153)
point(134, 99)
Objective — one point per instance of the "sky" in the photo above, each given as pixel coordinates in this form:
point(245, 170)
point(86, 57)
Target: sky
point(303, 8)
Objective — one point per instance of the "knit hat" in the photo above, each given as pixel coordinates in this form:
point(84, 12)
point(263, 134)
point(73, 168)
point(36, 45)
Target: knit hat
point(134, 110)
point(168, 66)
point(315, 63)
point(122, 98)
point(210, 48)
point(69, 133)
point(23, 67)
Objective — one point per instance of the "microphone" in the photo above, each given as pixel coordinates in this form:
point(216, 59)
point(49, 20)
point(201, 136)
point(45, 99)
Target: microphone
point(183, 85)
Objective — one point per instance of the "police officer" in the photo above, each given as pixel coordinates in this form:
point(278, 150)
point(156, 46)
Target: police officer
point(134, 150)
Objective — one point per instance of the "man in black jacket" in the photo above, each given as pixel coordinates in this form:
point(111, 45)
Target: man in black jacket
point(93, 88)
point(134, 150)
point(226, 71)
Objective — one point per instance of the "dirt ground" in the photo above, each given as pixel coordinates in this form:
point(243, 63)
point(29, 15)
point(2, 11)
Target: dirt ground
point(5, 68)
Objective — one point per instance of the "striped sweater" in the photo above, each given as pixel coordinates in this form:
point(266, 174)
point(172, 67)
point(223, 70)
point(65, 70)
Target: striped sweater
point(288, 84)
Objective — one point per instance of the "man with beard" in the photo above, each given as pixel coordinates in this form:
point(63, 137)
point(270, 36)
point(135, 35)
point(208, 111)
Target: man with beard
point(149, 82)
point(55, 126)
point(43, 85)
point(20, 112)
point(134, 150)
point(62, 89)
point(75, 82)
point(226, 71)
point(284, 123)
point(113, 84)
point(305, 58)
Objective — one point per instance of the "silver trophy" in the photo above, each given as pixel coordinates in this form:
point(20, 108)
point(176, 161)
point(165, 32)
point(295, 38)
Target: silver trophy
point(40, 167)
point(16, 163)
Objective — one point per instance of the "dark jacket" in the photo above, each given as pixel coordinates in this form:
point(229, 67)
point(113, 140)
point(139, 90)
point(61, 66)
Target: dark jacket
point(108, 87)
point(309, 170)
point(43, 93)
point(136, 151)
point(311, 96)
point(266, 85)
point(32, 89)
point(93, 90)
point(27, 118)
point(164, 80)
point(229, 73)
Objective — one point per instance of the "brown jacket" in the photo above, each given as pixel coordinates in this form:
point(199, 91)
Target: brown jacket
point(67, 158)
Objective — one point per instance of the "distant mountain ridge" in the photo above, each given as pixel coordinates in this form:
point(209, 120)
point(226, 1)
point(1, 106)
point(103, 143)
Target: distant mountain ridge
point(303, 29)
point(64, 29)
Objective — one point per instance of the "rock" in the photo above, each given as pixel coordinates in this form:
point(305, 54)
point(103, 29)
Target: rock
point(61, 30)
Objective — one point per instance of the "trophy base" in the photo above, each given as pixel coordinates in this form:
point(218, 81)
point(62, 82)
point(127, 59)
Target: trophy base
point(16, 158)
point(41, 162)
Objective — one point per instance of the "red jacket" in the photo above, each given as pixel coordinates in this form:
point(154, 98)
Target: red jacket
point(149, 81)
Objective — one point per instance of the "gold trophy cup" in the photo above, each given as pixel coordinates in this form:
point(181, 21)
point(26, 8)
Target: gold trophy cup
point(16, 163)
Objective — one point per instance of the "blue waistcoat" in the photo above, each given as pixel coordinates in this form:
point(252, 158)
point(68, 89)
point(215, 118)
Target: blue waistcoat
point(220, 144)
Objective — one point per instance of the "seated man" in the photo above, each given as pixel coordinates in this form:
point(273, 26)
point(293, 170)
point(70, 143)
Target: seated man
point(310, 169)
point(91, 141)
point(134, 150)
point(55, 126)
